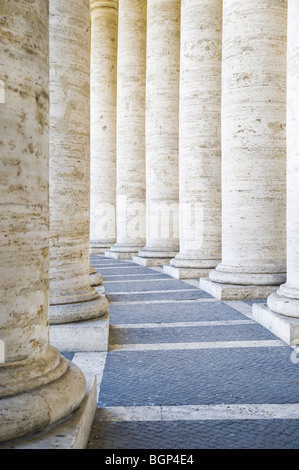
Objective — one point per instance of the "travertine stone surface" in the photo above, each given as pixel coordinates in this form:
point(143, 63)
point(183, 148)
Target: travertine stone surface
point(162, 129)
point(200, 139)
point(286, 299)
point(253, 143)
point(70, 165)
point(131, 76)
point(103, 85)
point(30, 364)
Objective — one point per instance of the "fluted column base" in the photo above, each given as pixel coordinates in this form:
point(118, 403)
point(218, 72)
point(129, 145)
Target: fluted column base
point(184, 268)
point(79, 311)
point(227, 283)
point(96, 280)
point(36, 395)
point(285, 301)
point(70, 433)
point(122, 251)
point(99, 248)
point(154, 257)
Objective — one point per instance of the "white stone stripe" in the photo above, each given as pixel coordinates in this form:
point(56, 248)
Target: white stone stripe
point(170, 301)
point(143, 280)
point(182, 324)
point(117, 267)
point(199, 412)
point(152, 291)
point(92, 364)
point(240, 306)
point(198, 345)
point(128, 275)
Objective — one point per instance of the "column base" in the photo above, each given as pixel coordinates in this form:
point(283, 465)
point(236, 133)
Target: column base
point(80, 311)
point(153, 258)
point(96, 281)
point(117, 255)
point(95, 278)
point(285, 328)
point(33, 409)
point(235, 291)
point(72, 433)
point(279, 303)
point(100, 248)
point(85, 336)
point(148, 262)
point(181, 268)
point(185, 273)
point(125, 252)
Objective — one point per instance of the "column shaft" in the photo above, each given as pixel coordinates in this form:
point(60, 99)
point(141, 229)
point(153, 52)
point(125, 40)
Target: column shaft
point(286, 299)
point(200, 139)
point(103, 85)
point(72, 298)
point(162, 132)
point(253, 147)
point(38, 386)
point(131, 73)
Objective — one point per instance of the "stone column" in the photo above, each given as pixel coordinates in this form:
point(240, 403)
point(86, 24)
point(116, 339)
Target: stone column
point(162, 132)
point(253, 150)
point(285, 301)
point(72, 298)
point(103, 83)
point(131, 77)
point(38, 387)
point(200, 140)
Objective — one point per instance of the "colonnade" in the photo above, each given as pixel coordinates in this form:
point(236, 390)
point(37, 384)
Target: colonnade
point(186, 156)
point(218, 186)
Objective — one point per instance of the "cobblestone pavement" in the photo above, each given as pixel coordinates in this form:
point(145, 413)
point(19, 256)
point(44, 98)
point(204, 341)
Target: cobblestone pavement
point(187, 371)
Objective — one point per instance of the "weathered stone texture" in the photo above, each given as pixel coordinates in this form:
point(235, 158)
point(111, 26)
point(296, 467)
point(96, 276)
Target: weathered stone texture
point(162, 128)
point(103, 85)
point(131, 127)
point(286, 300)
point(200, 137)
point(31, 365)
point(69, 164)
point(253, 143)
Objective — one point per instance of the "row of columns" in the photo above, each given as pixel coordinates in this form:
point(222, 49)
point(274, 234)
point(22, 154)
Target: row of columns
point(45, 235)
point(215, 144)
point(45, 209)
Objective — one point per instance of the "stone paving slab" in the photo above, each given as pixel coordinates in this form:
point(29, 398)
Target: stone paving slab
point(274, 434)
point(189, 334)
point(133, 277)
point(149, 286)
point(241, 375)
point(189, 294)
point(110, 270)
point(172, 312)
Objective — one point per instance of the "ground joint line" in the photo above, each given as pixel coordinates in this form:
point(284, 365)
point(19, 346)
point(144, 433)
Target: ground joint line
point(197, 345)
point(199, 412)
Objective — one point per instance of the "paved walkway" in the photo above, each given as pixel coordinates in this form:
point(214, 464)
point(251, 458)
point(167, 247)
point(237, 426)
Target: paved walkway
point(187, 371)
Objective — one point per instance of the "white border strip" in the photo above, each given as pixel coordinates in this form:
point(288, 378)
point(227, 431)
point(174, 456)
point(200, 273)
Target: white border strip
point(165, 301)
point(128, 275)
point(182, 324)
point(152, 291)
point(199, 412)
point(240, 306)
point(142, 280)
point(117, 267)
point(199, 345)
point(92, 364)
